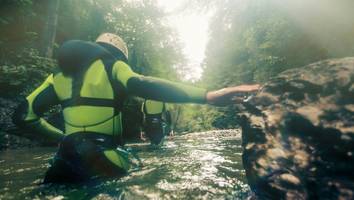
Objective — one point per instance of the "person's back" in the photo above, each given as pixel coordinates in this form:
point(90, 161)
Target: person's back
point(91, 99)
point(88, 97)
point(156, 122)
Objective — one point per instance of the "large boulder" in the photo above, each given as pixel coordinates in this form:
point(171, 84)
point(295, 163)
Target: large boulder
point(298, 134)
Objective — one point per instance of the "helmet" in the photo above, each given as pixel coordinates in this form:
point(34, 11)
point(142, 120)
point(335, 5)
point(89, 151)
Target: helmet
point(114, 41)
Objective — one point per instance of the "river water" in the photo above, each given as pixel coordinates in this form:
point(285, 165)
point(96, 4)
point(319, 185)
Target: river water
point(205, 165)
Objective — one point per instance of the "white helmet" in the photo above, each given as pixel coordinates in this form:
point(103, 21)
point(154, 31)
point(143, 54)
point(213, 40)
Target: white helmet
point(115, 41)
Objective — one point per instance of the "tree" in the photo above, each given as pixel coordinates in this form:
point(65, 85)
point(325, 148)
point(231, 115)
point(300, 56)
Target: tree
point(31, 30)
point(50, 28)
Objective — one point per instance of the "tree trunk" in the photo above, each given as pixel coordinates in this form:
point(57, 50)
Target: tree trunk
point(50, 28)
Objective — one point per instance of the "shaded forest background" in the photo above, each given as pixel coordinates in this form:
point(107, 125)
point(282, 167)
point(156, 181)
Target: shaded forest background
point(250, 41)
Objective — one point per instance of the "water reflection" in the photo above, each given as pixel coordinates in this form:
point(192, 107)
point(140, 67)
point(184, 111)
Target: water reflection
point(203, 165)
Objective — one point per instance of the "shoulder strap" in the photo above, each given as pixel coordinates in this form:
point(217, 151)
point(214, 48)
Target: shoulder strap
point(119, 91)
point(144, 107)
point(163, 107)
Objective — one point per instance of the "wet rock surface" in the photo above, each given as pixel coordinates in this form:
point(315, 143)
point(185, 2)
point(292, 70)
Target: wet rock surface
point(298, 134)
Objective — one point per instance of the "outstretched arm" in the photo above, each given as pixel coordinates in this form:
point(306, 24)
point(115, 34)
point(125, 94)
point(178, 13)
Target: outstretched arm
point(155, 88)
point(28, 114)
point(231, 95)
point(168, 91)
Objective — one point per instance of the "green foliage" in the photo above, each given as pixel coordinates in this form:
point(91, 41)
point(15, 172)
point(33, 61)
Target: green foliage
point(153, 49)
point(203, 117)
point(196, 118)
point(16, 27)
point(25, 72)
point(252, 41)
point(139, 23)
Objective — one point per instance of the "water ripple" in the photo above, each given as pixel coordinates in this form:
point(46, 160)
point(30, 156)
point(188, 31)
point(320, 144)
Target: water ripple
point(204, 165)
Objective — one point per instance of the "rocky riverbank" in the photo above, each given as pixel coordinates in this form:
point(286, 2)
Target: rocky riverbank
point(7, 106)
point(298, 134)
point(16, 81)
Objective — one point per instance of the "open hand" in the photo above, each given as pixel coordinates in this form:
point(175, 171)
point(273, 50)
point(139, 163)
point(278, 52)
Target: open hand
point(230, 95)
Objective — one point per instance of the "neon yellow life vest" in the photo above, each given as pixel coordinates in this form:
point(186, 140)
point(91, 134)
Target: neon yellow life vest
point(152, 107)
point(91, 101)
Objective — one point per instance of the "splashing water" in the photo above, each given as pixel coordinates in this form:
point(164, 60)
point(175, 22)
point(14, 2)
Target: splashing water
point(205, 165)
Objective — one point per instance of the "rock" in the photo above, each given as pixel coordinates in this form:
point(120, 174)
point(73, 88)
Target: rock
point(298, 134)
point(16, 82)
point(7, 107)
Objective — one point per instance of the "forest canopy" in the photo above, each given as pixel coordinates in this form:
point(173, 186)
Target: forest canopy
point(254, 40)
point(249, 41)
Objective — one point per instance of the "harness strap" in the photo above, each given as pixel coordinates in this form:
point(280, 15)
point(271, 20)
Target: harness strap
point(90, 125)
point(89, 101)
point(119, 92)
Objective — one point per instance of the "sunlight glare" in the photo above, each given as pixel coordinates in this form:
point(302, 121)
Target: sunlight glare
point(193, 33)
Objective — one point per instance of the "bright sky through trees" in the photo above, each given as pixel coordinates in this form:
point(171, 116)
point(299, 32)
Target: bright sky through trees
point(192, 29)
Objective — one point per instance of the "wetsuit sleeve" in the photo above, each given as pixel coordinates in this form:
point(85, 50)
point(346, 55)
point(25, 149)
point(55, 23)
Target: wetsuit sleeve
point(28, 114)
point(156, 88)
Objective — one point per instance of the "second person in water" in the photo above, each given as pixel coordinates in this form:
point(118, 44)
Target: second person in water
point(157, 121)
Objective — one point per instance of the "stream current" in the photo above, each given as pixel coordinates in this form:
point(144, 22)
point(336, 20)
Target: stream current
point(203, 165)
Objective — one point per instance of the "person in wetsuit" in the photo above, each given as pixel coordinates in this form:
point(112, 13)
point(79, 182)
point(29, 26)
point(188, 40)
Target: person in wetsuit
point(157, 120)
point(91, 85)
